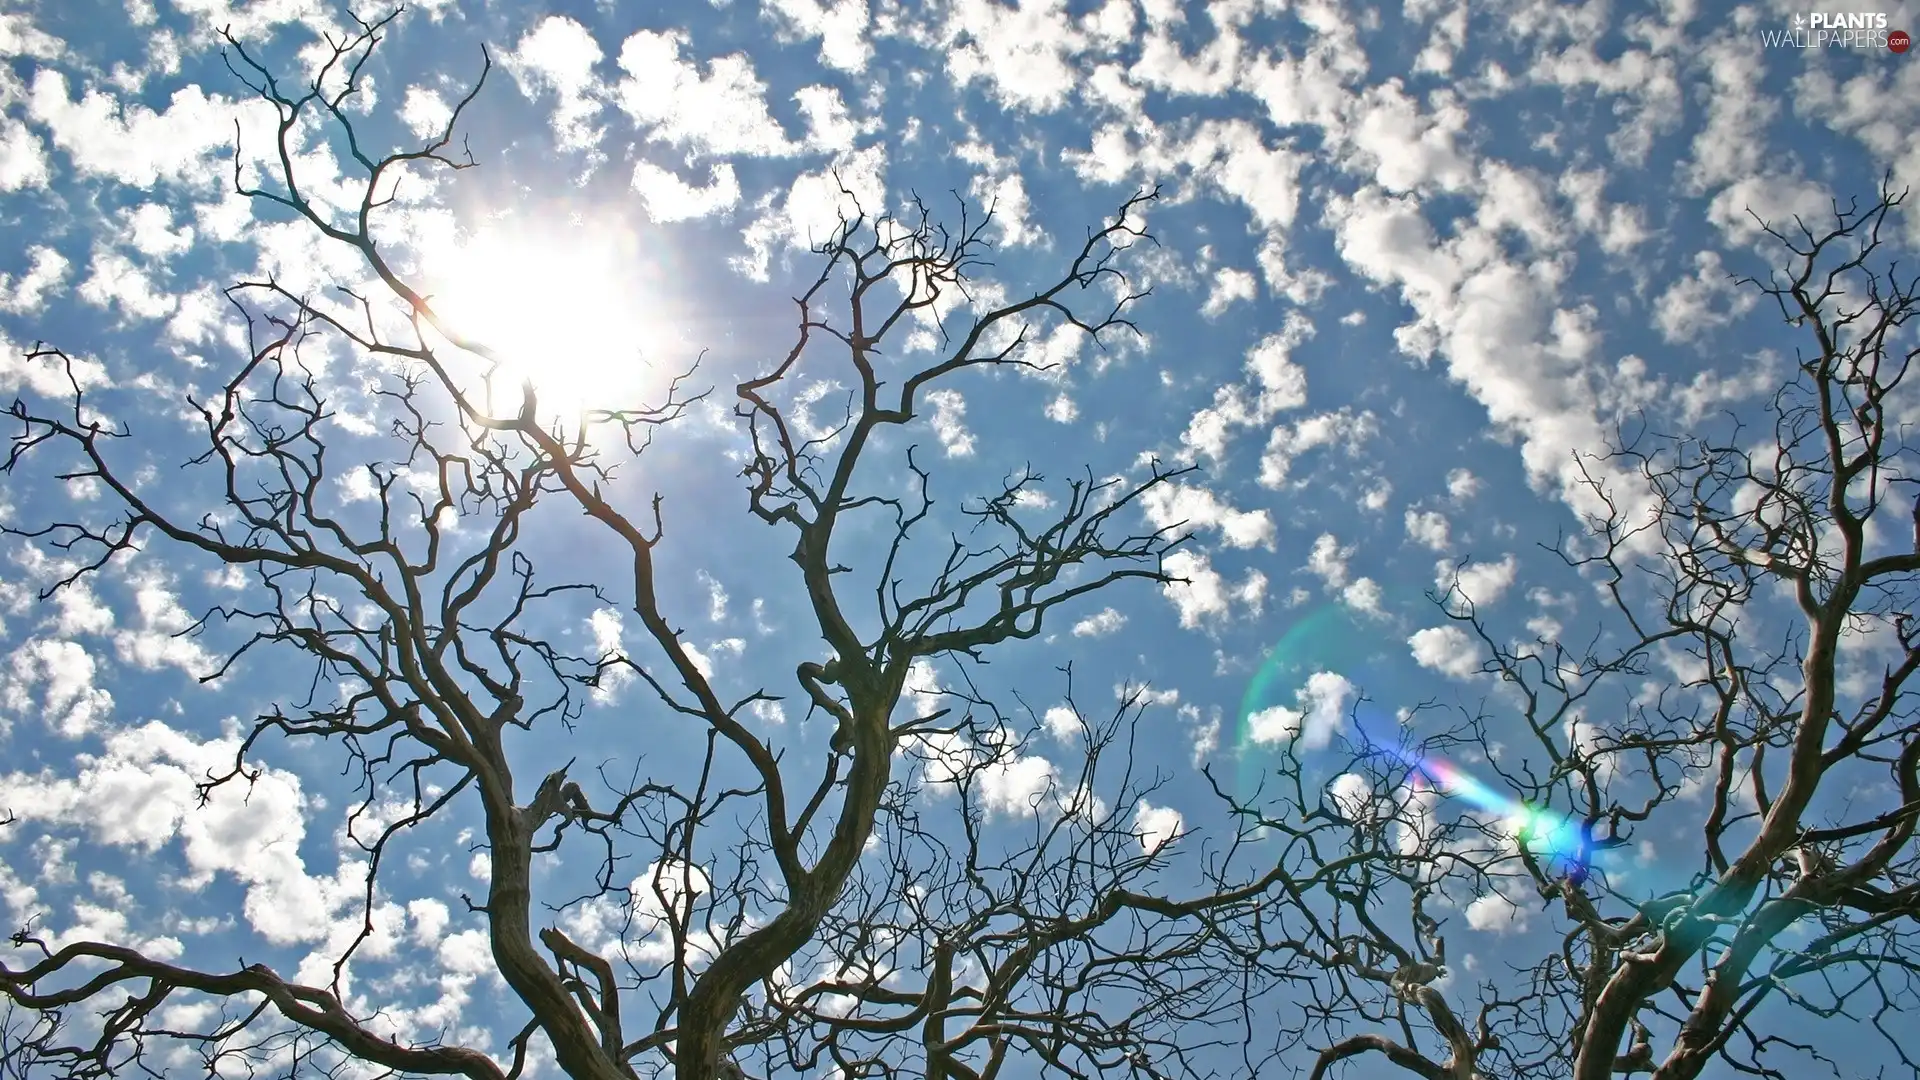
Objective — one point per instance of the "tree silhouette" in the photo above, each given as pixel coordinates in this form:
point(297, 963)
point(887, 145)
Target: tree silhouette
point(783, 945)
point(769, 914)
point(1752, 691)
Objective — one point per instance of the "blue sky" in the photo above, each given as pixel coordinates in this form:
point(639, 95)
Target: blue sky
point(1411, 262)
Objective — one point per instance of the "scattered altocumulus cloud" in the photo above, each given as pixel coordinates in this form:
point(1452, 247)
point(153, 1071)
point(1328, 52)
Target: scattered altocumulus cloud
point(1321, 714)
point(1448, 650)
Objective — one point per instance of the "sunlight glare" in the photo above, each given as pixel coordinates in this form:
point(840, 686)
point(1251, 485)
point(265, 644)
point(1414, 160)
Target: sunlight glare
point(567, 310)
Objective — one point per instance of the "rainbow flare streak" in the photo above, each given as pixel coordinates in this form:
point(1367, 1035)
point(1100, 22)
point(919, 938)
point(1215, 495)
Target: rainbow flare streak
point(1566, 843)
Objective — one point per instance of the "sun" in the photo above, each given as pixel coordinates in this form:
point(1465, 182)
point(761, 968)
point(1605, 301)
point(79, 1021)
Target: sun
point(570, 311)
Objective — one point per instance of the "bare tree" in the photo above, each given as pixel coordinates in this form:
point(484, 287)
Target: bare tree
point(770, 914)
point(1753, 693)
point(812, 912)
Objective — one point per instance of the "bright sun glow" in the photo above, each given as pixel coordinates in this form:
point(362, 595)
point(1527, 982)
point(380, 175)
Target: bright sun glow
point(568, 310)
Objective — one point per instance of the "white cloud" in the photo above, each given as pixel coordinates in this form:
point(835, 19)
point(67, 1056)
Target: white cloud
point(23, 157)
point(723, 113)
point(1328, 560)
point(1110, 25)
point(949, 422)
point(1282, 383)
point(1321, 715)
point(1062, 410)
point(829, 127)
point(1019, 787)
point(1363, 595)
point(1353, 796)
point(1462, 484)
point(1156, 826)
point(1733, 144)
point(250, 19)
point(1061, 722)
point(1230, 286)
point(1409, 150)
point(148, 228)
point(1773, 197)
point(103, 136)
point(20, 37)
point(1174, 505)
point(1706, 301)
point(1445, 40)
point(943, 758)
point(1428, 528)
point(1164, 65)
point(1147, 696)
point(605, 626)
point(1024, 52)
point(1343, 428)
point(1480, 583)
point(1204, 597)
point(1648, 82)
point(46, 270)
point(430, 918)
point(1278, 384)
point(81, 612)
point(669, 199)
point(102, 917)
point(159, 640)
point(116, 281)
point(1386, 238)
point(64, 673)
point(1446, 649)
point(1206, 733)
point(1100, 624)
point(1712, 390)
point(1589, 739)
point(1516, 200)
point(1006, 782)
point(923, 688)
point(1416, 824)
point(1000, 188)
point(302, 258)
point(716, 596)
point(635, 931)
point(1877, 107)
point(1528, 362)
point(1618, 228)
point(813, 207)
point(140, 792)
point(1233, 156)
point(425, 112)
point(357, 485)
point(702, 659)
point(841, 26)
point(558, 57)
point(1274, 724)
point(468, 953)
point(1495, 913)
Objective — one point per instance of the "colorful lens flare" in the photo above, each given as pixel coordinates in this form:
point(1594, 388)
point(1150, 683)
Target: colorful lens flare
point(1565, 844)
point(1281, 703)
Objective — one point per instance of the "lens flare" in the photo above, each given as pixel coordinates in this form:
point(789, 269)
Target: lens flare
point(574, 313)
point(1325, 640)
point(1565, 844)
point(1329, 640)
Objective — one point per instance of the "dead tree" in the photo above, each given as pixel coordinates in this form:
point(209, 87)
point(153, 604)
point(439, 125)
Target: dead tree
point(781, 947)
point(1749, 697)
